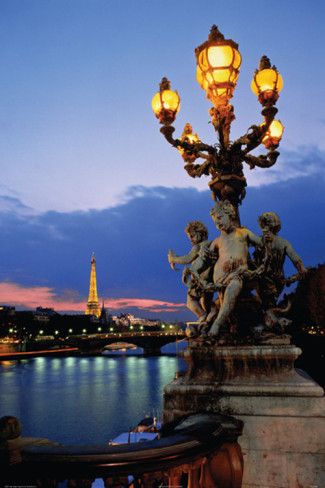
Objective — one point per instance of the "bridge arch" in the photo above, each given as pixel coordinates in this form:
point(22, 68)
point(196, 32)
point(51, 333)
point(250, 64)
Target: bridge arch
point(150, 342)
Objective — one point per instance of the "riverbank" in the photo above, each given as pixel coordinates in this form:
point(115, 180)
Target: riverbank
point(67, 351)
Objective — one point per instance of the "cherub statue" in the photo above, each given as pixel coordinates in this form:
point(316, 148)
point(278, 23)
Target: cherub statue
point(201, 259)
point(231, 269)
point(272, 281)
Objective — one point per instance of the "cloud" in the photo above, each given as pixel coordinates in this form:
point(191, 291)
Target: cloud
point(10, 204)
point(306, 161)
point(144, 304)
point(50, 252)
point(34, 296)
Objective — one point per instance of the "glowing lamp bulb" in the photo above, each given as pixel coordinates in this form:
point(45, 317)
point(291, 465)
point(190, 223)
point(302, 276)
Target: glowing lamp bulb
point(218, 63)
point(273, 135)
point(165, 103)
point(267, 82)
point(190, 138)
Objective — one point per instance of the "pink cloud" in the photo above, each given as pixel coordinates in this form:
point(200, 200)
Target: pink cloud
point(34, 296)
point(143, 303)
point(44, 296)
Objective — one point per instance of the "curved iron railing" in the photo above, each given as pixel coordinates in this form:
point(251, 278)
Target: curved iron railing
point(200, 451)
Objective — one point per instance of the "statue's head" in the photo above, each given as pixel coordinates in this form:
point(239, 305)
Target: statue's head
point(223, 215)
point(270, 221)
point(10, 428)
point(196, 231)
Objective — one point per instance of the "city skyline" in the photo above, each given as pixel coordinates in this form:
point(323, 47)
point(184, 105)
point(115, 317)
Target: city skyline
point(86, 169)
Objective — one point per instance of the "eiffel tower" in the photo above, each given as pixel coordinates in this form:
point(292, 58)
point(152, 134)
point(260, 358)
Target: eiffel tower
point(93, 307)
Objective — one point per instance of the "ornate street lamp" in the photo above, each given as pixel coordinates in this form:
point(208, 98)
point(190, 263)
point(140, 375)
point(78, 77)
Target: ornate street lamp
point(239, 344)
point(218, 63)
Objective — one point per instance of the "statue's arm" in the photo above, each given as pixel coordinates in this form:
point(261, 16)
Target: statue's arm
point(186, 259)
point(294, 258)
point(214, 246)
point(207, 257)
point(253, 239)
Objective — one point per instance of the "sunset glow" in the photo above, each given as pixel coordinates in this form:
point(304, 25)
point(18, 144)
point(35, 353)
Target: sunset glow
point(35, 296)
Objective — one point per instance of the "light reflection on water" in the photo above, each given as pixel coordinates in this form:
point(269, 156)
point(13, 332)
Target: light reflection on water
point(84, 400)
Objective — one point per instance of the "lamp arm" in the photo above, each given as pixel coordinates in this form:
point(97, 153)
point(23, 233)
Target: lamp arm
point(254, 135)
point(167, 131)
point(262, 161)
point(269, 112)
point(202, 155)
point(206, 147)
point(197, 170)
point(197, 148)
point(252, 139)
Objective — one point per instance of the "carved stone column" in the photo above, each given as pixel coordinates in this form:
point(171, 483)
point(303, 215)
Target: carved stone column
point(283, 410)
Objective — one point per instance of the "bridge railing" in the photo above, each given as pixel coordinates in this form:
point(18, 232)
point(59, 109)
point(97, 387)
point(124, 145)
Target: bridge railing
point(200, 451)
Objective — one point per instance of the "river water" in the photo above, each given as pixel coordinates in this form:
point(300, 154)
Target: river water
point(85, 400)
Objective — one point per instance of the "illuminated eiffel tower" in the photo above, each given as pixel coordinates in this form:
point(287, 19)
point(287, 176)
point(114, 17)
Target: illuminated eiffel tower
point(93, 307)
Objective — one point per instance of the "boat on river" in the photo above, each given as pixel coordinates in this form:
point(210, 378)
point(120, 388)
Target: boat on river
point(119, 346)
point(148, 429)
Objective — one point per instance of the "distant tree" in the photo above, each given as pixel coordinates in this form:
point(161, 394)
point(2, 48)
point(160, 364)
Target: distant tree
point(308, 301)
point(308, 328)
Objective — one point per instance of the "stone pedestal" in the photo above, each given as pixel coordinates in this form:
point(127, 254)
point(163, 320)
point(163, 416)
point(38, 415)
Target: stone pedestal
point(283, 442)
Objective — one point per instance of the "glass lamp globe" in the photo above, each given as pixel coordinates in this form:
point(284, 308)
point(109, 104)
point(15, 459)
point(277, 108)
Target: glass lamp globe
point(166, 103)
point(218, 62)
point(267, 82)
point(191, 138)
point(273, 135)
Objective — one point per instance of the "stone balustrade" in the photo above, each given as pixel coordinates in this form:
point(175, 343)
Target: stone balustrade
point(199, 451)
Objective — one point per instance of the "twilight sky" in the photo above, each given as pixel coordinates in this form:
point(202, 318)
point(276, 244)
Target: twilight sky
point(84, 167)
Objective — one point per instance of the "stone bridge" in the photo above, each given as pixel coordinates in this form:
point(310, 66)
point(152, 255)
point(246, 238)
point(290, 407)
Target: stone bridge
point(150, 342)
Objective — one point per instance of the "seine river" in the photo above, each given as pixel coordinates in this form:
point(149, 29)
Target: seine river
point(85, 400)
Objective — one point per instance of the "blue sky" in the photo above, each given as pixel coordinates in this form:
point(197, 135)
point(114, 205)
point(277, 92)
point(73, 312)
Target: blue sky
point(78, 137)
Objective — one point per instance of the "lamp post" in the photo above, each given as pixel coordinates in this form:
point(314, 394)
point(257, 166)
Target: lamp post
point(240, 357)
point(218, 64)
